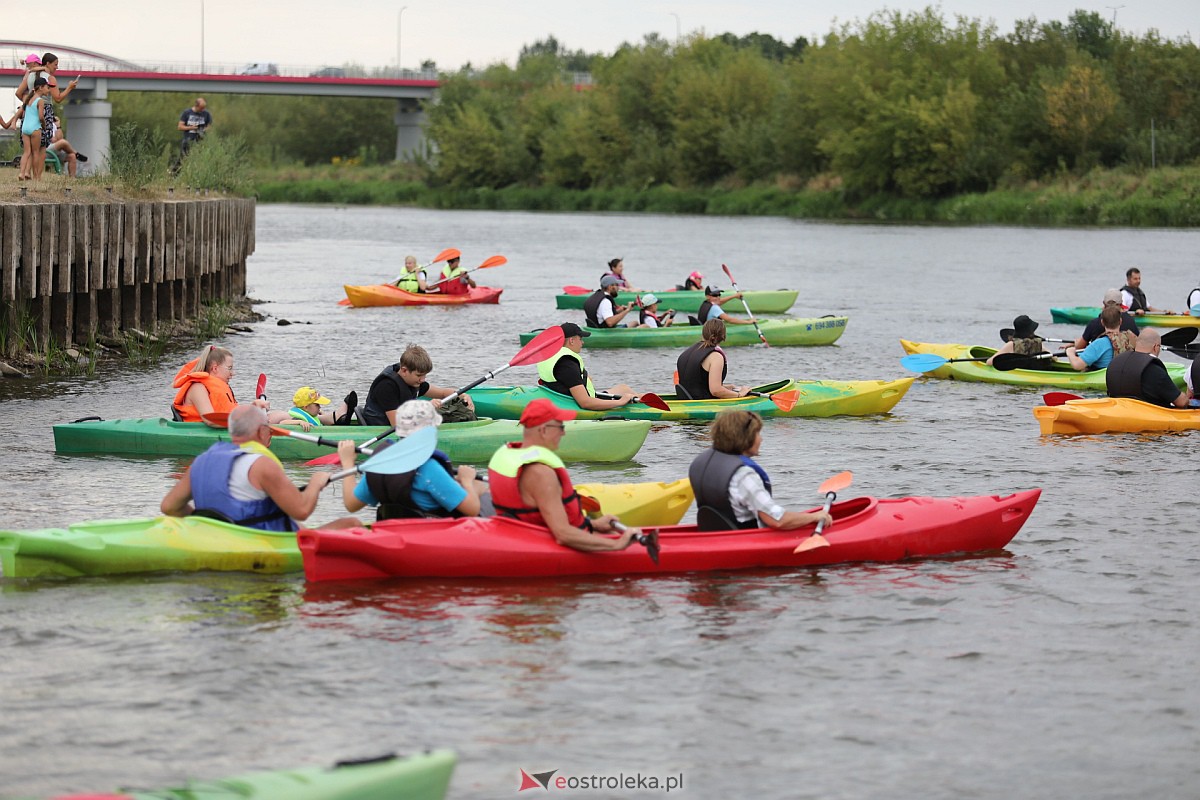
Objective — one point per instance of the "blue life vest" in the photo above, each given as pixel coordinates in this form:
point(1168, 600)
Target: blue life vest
point(210, 490)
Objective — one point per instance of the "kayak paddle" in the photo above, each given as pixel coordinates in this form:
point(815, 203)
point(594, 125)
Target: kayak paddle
point(927, 362)
point(541, 347)
point(216, 419)
point(577, 290)
point(1180, 337)
point(260, 390)
point(494, 261)
point(829, 488)
point(404, 456)
point(1006, 334)
point(1006, 362)
point(745, 305)
point(653, 401)
point(442, 256)
point(647, 540)
point(1058, 398)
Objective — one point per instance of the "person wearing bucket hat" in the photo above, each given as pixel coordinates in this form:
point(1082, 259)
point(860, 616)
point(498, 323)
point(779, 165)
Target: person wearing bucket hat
point(435, 489)
point(616, 269)
point(1099, 354)
point(1023, 341)
point(601, 309)
point(530, 483)
point(648, 312)
point(1095, 328)
point(714, 298)
point(565, 373)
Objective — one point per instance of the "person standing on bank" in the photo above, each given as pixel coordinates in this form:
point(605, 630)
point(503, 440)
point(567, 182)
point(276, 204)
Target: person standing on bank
point(1141, 375)
point(1134, 299)
point(194, 122)
point(727, 479)
point(702, 367)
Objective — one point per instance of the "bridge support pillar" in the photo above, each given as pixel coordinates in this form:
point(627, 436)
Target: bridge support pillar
point(88, 114)
point(410, 134)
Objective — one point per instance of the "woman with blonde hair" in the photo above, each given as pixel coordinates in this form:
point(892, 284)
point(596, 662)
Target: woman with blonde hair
point(701, 369)
point(203, 388)
point(732, 490)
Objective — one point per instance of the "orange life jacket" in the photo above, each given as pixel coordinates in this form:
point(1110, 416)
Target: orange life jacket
point(219, 394)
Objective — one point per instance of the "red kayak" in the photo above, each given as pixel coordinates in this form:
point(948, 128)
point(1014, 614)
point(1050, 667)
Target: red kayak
point(384, 294)
point(864, 529)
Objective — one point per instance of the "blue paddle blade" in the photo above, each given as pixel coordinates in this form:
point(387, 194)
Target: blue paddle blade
point(922, 362)
point(1195, 310)
point(405, 455)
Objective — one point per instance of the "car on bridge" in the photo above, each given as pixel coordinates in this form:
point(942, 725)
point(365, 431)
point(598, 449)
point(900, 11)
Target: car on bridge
point(259, 69)
point(329, 72)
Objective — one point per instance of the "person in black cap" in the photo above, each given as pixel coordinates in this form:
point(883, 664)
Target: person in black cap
point(1023, 342)
point(711, 307)
point(565, 373)
point(601, 309)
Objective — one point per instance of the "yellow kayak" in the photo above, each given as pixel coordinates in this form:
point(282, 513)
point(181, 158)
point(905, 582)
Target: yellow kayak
point(1114, 415)
point(642, 503)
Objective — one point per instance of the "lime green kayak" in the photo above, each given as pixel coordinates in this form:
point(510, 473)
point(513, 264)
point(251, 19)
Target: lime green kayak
point(778, 332)
point(768, 302)
point(195, 544)
point(815, 399)
point(1082, 315)
point(1062, 375)
point(421, 777)
point(465, 442)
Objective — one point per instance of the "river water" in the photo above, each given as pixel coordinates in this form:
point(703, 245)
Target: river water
point(1064, 667)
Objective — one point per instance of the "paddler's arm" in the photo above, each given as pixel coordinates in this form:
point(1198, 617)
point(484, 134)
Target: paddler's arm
point(178, 501)
point(347, 454)
point(299, 504)
point(589, 403)
point(541, 484)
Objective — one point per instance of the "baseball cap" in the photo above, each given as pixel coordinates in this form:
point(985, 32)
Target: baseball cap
point(712, 291)
point(307, 395)
point(33, 58)
point(1112, 296)
point(570, 329)
point(609, 280)
point(648, 299)
point(414, 415)
point(541, 411)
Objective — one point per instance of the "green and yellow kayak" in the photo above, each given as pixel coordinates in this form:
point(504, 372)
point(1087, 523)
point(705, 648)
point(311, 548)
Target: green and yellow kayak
point(1062, 374)
point(420, 777)
point(195, 544)
point(778, 332)
point(465, 442)
point(816, 399)
point(767, 302)
point(1082, 315)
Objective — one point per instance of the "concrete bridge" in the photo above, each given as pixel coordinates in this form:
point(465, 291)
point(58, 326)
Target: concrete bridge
point(89, 111)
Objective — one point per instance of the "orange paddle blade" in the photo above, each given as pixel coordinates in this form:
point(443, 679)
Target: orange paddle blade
point(836, 483)
point(217, 419)
point(448, 253)
point(589, 504)
point(812, 543)
point(278, 431)
point(494, 261)
point(786, 401)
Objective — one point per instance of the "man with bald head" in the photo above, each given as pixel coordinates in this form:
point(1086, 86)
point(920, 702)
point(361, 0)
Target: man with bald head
point(243, 481)
point(1141, 375)
point(194, 122)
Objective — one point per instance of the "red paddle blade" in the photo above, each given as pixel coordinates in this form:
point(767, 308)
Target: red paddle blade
point(836, 483)
point(541, 347)
point(589, 504)
point(577, 290)
point(321, 461)
point(261, 389)
point(494, 261)
point(1058, 398)
point(812, 543)
point(728, 274)
point(345, 301)
point(654, 401)
point(217, 419)
point(786, 401)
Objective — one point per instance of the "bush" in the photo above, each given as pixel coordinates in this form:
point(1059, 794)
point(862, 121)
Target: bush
point(217, 163)
point(137, 157)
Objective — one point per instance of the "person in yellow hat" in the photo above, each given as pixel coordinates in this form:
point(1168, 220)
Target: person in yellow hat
point(307, 405)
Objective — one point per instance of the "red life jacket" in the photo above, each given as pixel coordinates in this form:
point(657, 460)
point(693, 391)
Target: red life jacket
point(504, 477)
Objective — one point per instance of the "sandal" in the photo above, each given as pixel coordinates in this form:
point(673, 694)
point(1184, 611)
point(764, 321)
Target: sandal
point(80, 157)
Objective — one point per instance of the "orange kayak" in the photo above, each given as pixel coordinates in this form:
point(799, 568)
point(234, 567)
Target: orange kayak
point(387, 295)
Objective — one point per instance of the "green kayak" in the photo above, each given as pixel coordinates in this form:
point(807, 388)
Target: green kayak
point(465, 442)
point(420, 777)
point(769, 302)
point(813, 399)
point(195, 544)
point(1082, 315)
point(1062, 375)
point(778, 332)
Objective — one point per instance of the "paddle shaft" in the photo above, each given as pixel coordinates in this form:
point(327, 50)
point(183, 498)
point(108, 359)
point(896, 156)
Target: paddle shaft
point(745, 305)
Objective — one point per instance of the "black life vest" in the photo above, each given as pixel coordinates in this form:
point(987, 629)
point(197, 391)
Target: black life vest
point(1124, 375)
point(702, 312)
point(692, 376)
point(710, 473)
point(1139, 299)
point(373, 414)
point(394, 493)
point(591, 307)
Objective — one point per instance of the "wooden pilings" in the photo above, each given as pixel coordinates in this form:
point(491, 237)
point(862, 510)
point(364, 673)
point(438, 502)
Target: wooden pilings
point(70, 271)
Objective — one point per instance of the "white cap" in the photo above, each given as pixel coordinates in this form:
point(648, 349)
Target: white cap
point(649, 299)
point(414, 415)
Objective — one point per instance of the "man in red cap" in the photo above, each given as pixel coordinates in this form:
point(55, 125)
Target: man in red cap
point(530, 483)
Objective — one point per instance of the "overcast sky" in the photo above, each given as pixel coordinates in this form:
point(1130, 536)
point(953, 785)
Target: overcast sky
point(453, 32)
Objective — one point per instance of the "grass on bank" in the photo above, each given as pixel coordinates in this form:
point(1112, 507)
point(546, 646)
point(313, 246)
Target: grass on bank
point(1168, 197)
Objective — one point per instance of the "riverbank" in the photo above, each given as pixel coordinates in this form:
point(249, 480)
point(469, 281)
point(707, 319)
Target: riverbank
point(1159, 198)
